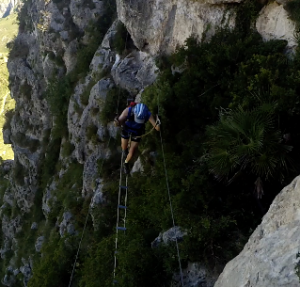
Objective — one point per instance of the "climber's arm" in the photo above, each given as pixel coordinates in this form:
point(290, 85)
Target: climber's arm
point(154, 124)
point(122, 118)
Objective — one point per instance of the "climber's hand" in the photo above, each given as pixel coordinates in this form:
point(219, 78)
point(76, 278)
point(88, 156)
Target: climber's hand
point(116, 122)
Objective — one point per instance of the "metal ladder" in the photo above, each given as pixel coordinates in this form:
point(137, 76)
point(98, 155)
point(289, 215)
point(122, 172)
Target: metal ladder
point(122, 196)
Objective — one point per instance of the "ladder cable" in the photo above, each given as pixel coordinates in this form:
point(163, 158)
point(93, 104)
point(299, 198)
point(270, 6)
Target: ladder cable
point(170, 201)
point(119, 206)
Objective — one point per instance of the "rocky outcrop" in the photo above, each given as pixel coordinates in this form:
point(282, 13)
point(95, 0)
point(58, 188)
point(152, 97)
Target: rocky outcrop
point(134, 72)
point(196, 275)
point(46, 49)
point(39, 243)
point(26, 270)
point(273, 22)
point(67, 224)
point(269, 257)
point(7, 6)
point(171, 235)
point(158, 27)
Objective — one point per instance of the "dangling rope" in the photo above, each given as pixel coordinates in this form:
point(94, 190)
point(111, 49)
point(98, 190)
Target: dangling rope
point(84, 228)
point(170, 201)
point(156, 124)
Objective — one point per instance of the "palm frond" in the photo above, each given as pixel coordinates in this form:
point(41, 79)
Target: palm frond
point(246, 139)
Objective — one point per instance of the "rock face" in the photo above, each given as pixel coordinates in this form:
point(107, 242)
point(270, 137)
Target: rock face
point(6, 7)
point(135, 71)
point(171, 235)
point(196, 275)
point(46, 49)
point(160, 26)
point(66, 225)
point(269, 257)
point(274, 23)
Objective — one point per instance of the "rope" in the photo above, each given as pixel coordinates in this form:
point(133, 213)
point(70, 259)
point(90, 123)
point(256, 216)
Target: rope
point(118, 215)
point(208, 90)
point(170, 202)
point(118, 211)
point(156, 123)
point(84, 228)
point(125, 201)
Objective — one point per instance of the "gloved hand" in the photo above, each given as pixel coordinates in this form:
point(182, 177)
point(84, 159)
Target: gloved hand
point(158, 123)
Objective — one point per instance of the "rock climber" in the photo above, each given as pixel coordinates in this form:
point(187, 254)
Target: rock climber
point(133, 120)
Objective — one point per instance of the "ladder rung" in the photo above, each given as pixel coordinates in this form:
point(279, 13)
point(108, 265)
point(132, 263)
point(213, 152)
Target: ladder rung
point(123, 186)
point(122, 206)
point(121, 228)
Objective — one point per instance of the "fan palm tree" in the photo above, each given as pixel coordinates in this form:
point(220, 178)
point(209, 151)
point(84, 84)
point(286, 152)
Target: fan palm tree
point(246, 141)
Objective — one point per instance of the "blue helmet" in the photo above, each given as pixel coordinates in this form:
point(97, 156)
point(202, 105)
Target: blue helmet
point(141, 113)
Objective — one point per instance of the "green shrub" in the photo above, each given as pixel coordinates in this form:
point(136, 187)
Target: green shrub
point(48, 167)
point(247, 142)
point(84, 97)
point(19, 49)
point(297, 266)
point(19, 173)
point(91, 133)
point(116, 98)
point(293, 8)
point(51, 56)
point(8, 117)
point(26, 90)
point(54, 267)
point(58, 95)
point(96, 273)
point(23, 141)
point(95, 32)
point(24, 19)
point(59, 61)
point(67, 149)
point(90, 4)
point(120, 38)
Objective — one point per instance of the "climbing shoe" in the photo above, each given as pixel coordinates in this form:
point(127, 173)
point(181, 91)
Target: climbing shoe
point(126, 168)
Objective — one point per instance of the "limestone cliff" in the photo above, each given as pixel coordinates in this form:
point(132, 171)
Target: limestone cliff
point(7, 6)
point(160, 26)
point(51, 37)
point(269, 257)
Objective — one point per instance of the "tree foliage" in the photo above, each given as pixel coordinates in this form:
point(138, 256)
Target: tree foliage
point(246, 141)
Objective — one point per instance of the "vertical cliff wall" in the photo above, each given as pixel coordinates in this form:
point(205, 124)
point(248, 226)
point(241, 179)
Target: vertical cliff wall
point(7, 7)
point(67, 72)
point(269, 257)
